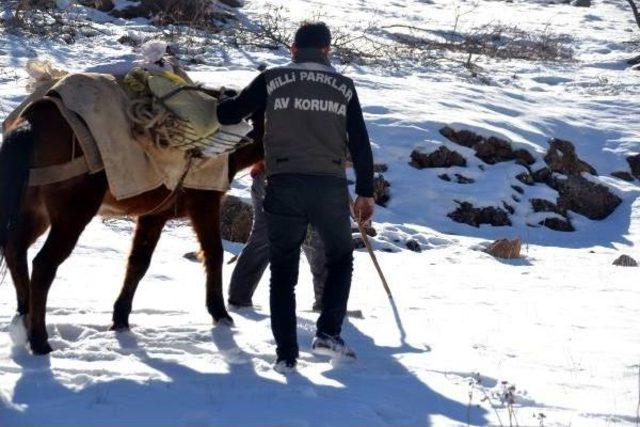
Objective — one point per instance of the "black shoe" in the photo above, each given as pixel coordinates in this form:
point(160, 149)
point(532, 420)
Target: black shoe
point(333, 346)
point(285, 366)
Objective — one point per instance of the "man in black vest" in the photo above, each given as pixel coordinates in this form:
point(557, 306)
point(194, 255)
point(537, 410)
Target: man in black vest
point(312, 117)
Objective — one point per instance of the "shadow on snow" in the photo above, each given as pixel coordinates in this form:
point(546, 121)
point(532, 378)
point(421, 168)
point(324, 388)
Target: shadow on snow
point(377, 390)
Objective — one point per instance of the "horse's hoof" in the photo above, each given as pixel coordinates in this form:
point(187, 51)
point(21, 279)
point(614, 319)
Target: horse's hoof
point(223, 321)
point(40, 348)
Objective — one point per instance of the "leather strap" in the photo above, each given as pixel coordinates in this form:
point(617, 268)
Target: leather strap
point(58, 173)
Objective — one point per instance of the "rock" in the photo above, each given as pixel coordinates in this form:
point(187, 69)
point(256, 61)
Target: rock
point(464, 137)
point(466, 213)
point(358, 243)
point(504, 248)
point(581, 3)
point(525, 178)
point(562, 158)
point(542, 175)
point(554, 223)
point(413, 245)
point(101, 5)
point(381, 190)
point(582, 196)
point(461, 179)
point(380, 167)
point(490, 150)
point(509, 208)
point(518, 189)
point(524, 157)
point(557, 224)
point(634, 164)
point(543, 205)
point(623, 175)
point(441, 158)
point(495, 150)
point(129, 41)
point(625, 261)
point(236, 219)
point(369, 231)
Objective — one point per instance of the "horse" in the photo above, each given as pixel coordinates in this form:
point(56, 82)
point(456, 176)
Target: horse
point(43, 138)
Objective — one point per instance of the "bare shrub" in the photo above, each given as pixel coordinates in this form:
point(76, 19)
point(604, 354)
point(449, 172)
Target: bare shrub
point(402, 46)
point(196, 28)
point(491, 40)
point(272, 30)
point(42, 18)
point(197, 14)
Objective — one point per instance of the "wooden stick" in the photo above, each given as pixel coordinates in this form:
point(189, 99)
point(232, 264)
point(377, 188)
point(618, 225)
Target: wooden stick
point(367, 244)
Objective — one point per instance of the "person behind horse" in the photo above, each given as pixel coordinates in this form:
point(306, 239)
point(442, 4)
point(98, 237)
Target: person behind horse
point(312, 117)
point(254, 258)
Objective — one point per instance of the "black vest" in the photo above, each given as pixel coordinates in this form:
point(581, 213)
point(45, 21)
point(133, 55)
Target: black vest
point(306, 119)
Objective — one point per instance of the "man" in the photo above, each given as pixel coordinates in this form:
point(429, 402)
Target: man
point(254, 258)
point(312, 116)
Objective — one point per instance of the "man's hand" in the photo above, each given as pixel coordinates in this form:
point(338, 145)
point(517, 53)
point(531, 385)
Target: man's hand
point(257, 169)
point(363, 209)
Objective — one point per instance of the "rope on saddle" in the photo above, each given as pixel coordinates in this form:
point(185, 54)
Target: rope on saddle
point(152, 114)
point(167, 130)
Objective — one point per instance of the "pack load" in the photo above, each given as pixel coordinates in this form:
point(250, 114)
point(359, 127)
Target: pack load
point(157, 127)
point(178, 114)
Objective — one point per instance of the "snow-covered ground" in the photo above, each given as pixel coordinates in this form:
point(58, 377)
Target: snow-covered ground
point(561, 324)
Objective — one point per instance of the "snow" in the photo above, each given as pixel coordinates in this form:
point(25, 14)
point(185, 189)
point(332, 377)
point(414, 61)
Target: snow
point(561, 324)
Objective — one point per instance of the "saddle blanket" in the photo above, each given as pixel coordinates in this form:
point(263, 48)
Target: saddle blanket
point(95, 107)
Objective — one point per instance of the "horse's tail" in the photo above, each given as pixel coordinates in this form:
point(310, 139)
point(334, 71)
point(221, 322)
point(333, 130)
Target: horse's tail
point(15, 155)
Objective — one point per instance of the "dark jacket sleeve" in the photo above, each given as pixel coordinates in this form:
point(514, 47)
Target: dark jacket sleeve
point(359, 148)
point(251, 99)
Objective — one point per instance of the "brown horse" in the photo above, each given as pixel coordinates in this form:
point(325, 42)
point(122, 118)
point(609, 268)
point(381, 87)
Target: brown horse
point(43, 139)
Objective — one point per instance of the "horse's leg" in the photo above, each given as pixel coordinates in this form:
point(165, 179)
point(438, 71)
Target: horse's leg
point(146, 237)
point(33, 223)
point(203, 208)
point(70, 205)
